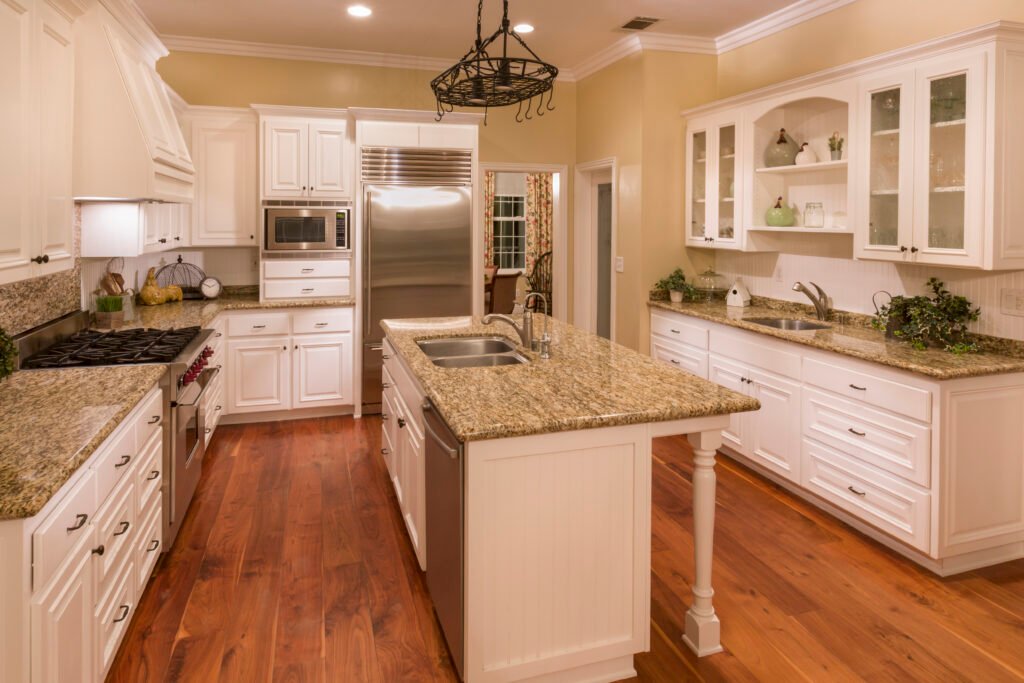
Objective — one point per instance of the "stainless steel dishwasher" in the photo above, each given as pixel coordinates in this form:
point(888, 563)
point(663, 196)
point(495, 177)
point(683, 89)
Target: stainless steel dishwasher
point(445, 524)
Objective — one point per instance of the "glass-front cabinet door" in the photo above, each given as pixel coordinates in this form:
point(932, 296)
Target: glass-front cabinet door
point(697, 149)
point(887, 170)
point(949, 178)
point(722, 228)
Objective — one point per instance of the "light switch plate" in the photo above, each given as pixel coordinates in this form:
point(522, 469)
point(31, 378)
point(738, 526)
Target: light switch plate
point(620, 264)
point(1011, 301)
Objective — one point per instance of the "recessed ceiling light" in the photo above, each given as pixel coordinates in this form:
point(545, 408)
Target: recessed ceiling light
point(359, 11)
point(523, 28)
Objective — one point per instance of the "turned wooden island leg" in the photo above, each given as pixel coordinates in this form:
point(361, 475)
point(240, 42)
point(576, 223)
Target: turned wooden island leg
point(703, 630)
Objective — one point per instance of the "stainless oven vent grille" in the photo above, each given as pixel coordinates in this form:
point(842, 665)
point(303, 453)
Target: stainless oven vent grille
point(417, 166)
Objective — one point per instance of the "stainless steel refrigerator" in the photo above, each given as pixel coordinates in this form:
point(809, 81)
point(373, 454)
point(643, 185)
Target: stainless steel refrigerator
point(417, 244)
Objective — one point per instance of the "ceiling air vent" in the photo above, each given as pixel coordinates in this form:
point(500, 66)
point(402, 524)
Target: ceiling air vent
point(639, 23)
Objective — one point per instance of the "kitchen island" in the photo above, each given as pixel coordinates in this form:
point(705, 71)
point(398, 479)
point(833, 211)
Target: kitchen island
point(556, 490)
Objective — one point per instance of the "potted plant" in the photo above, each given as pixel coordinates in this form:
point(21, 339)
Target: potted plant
point(8, 352)
point(923, 321)
point(675, 284)
point(835, 145)
point(109, 311)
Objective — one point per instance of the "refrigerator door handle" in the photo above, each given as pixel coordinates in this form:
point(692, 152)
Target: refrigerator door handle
point(368, 265)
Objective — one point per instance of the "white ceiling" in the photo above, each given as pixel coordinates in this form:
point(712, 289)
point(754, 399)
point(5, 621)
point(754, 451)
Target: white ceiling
point(567, 31)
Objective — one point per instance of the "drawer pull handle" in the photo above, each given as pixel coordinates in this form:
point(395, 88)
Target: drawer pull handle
point(385, 385)
point(674, 331)
point(156, 418)
point(125, 459)
point(308, 270)
point(258, 327)
point(219, 408)
point(307, 290)
point(208, 430)
point(854, 431)
point(321, 325)
point(99, 551)
point(385, 451)
point(125, 609)
point(153, 475)
point(854, 386)
point(219, 334)
point(855, 491)
point(673, 361)
point(80, 521)
point(401, 422)
point(123, 528)
point(385, 356)
point(153, 546)
point(384, 417)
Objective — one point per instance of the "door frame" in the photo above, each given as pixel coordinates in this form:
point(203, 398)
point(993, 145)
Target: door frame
point(559, 237)
point(585, 243)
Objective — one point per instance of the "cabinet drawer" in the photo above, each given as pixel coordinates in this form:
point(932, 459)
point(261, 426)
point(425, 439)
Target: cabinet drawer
point(755, 350)
point(306, 289)
point(63, 528)
point(147, 549)
point(150, 418)
point(149, 477)
point(116, 460)
point(113, 615)
point(877, 391)
point(673, 327)
point(258, 325)
point(322, 320)
point(879, 438)
point(868, 493)
point(680, 356)
point(115, 533)
point(314, 268)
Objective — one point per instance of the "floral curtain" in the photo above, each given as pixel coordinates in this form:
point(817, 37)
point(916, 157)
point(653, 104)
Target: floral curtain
point(539, 216)
point(488, 217)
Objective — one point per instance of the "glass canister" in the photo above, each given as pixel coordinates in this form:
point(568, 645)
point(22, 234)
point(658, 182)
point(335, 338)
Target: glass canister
point(711, 285)
point(814, 215)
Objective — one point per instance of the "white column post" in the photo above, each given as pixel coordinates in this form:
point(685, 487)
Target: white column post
point(703, 630)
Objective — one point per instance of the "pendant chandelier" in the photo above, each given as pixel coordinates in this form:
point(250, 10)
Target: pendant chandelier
point(482, 80)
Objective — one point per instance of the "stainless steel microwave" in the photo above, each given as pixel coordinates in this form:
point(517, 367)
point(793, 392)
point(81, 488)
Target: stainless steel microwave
point(306, 228)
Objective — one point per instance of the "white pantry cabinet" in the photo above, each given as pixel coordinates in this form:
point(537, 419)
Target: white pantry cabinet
point(890, 452)
point(306, 158)
point(36, 121)
point(225, 149)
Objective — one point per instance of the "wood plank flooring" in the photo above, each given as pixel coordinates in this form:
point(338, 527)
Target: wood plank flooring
point(293, 565)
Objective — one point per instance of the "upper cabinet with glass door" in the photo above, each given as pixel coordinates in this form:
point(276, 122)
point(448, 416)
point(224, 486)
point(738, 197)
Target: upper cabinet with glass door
point(712, 153)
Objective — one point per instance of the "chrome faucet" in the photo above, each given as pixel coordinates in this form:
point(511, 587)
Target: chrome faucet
point(525, 331)
point(543, 345)
point(821, 307)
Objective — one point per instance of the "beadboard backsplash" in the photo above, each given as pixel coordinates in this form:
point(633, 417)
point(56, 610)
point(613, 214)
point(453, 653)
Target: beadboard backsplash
point(851, 283)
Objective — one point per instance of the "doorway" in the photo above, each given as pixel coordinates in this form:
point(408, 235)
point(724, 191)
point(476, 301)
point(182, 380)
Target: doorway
point(524, 243)
point(594, 262)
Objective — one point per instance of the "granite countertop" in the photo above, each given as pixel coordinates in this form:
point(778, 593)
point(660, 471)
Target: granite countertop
point(851, 335)
point(202, 313)
point(588, 382)
point(53, 420)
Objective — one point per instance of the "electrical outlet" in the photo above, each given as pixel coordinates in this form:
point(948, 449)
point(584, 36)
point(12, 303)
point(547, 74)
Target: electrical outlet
point(1011, 301)
point(620, 264)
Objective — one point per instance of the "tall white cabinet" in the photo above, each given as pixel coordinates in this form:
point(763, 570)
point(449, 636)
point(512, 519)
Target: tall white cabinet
point(37, 70)
point(306, 158)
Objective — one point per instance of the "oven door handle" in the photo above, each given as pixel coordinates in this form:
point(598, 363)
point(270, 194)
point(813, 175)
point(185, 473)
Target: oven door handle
point(215, 371)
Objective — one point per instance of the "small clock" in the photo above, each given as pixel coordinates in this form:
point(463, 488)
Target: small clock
point(210, 287)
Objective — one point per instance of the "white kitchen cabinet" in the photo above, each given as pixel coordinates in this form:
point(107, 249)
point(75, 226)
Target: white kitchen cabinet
point(63, 626)
point(37, 91)
point(306, 158)
point(731, 376)
point(322, 370)
point(224, 150)
point(413, 134)
point(713, 153)
point(259, 374)
point(130, 229)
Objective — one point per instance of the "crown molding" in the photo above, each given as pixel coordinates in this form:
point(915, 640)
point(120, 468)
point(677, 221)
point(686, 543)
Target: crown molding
point(134, 21)
point(777, 21)
point(620, 49)
point(673, 43)
point(414, 116)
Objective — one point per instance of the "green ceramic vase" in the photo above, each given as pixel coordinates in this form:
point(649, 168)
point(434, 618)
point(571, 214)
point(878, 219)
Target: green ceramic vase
point(779, 216)
point(781, 151)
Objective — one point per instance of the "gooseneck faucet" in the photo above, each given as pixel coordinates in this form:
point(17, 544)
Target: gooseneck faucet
point(525, 331)
point(820, 302)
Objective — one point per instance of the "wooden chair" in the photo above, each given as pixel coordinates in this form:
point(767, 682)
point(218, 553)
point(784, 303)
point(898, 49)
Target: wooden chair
point(503, 293)
point(540, 282)
point(489, 273)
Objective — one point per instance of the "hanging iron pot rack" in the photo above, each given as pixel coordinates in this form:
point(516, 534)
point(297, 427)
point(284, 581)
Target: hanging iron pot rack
point(480, 80)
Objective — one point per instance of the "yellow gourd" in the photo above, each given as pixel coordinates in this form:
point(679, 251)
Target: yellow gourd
point(151, 293)
point(173, 293)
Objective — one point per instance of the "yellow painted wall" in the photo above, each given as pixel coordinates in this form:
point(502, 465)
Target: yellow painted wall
point(858, 30)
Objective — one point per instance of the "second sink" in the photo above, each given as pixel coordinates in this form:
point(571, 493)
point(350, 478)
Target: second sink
point(789, 324)
point(464, 346)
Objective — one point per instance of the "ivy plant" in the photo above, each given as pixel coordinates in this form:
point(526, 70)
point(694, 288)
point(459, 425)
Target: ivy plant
point(941, 319)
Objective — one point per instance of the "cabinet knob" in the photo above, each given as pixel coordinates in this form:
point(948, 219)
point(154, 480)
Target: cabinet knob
point(252, 237)
point(903, 248)
point(303, 188)
point(401, 422)
point(41, 259)
point(384, 451)
point(162, 240)
point(914, 250)
point(99, 551)
point(208, 430)
point(177, 239)
point(311, 188)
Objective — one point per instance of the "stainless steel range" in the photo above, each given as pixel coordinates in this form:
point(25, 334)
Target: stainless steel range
point(65, 343)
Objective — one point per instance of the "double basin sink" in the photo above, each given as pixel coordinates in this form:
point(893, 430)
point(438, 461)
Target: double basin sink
point(788, 324)
point(471, 352)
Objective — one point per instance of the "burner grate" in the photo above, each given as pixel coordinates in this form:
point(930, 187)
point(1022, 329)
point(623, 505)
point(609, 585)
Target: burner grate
point(120, 347)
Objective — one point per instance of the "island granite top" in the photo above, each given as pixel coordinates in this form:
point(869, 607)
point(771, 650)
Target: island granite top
point(588, 382)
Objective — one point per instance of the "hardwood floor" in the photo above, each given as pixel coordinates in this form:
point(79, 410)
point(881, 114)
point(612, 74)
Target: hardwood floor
point(293, 565)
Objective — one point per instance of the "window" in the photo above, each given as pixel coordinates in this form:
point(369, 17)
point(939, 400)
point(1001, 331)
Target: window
point(509, 248)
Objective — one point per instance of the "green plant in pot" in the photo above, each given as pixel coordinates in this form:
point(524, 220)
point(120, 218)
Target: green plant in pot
point(835, 146)
point(8, 353)
point(109, 311)
point(923, 321)
point(676, 285)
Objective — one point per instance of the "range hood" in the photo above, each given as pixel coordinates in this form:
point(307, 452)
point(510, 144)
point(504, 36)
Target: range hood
point(128, 144)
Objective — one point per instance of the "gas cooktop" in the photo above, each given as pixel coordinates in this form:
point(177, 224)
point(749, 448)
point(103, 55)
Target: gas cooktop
point(124, 347)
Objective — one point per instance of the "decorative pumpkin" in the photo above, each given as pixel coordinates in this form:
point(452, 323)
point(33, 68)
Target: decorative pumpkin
point(779, 216)
point(151, 294)
point(805, 156)
point(781, 151)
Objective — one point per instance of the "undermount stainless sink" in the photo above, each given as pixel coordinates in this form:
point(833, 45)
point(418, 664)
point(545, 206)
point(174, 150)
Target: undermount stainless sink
point(789, 324)
point(471, 352)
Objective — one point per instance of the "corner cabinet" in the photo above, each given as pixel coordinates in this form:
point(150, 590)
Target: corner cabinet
point(712, 177)
point(306, 158)
point(37, 87)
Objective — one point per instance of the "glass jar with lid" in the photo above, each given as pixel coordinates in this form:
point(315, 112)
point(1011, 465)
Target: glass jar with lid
point(711, 285)
point(814, 215)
